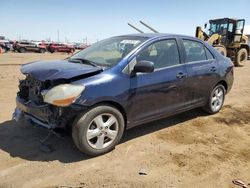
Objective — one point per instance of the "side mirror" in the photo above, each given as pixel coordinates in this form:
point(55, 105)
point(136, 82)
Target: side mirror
point(144, 67)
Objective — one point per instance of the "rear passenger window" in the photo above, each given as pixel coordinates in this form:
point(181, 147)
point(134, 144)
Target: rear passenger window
point(209, 55)
point(194, 51)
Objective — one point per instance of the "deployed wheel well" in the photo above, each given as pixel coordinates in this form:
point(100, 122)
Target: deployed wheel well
point(224, 83)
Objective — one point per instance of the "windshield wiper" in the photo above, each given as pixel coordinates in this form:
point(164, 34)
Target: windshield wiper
point(84, 61)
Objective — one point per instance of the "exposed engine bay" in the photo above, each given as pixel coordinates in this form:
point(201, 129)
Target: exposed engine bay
point(41, 79)
point(30, 90)
point(30, 94)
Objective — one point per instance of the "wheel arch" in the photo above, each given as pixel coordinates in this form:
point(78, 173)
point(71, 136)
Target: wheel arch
point(246, 47)
point(224, 83)
point(115, 105)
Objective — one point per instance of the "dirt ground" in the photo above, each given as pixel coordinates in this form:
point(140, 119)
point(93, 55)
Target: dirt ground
point(187, 150)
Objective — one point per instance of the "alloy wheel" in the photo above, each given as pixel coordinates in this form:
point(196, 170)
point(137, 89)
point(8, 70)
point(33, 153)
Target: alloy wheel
point(217, 99)
point(102, 131)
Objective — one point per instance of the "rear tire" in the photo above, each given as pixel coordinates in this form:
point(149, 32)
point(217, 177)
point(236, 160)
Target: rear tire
point(22, 50)
point(98, 130)
point(42, 51)
point(241, 57)
point(216, 100)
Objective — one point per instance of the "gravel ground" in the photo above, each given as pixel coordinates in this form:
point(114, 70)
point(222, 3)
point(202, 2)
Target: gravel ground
point(187, 150)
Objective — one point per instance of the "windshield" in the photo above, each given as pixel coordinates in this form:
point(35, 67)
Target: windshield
point(220, 28)
point(110, 51)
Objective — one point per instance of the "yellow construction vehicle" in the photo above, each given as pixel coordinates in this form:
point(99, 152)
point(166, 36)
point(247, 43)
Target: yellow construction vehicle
point(226, 35)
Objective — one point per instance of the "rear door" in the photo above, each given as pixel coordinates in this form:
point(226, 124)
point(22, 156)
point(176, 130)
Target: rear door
point(161, 92)
point(202, 70)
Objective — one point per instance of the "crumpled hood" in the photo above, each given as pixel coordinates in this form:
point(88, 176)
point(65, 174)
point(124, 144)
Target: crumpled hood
point(57, 69)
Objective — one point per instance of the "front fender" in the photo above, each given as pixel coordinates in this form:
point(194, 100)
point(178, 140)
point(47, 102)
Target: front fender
point(104, 87)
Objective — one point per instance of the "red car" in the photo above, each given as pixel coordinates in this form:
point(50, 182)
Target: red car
point(58, 47)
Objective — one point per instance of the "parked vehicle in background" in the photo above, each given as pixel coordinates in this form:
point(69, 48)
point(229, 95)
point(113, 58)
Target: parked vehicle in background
point(45, 43)
point(59, 47)
point(25, 46)
point(226, 35)
point(101, 91)
point(5, 45)
point(14, 46)
point(81, 46)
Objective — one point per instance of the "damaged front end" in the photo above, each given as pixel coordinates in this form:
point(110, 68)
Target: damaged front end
point(31, 105)
point(46, 96)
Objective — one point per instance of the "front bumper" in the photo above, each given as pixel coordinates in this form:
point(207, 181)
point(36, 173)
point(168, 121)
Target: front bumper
point(19, 115)
point(45, 115)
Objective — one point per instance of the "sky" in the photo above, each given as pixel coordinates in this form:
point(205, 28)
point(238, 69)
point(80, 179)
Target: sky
point(93, 20)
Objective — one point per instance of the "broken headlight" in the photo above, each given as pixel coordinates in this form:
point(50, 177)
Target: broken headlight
point(62, 95)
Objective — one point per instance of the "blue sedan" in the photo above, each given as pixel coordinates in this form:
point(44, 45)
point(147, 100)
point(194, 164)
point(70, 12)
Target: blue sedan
point(122, 82)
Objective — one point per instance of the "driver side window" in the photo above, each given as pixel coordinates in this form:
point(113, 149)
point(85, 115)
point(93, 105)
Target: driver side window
point(162, 53)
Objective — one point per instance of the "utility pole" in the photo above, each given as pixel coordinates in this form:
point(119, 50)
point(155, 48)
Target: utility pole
point(85, 40)
point(58, 39)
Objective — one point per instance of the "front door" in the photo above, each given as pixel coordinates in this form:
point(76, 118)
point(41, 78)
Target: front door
point(161, 92)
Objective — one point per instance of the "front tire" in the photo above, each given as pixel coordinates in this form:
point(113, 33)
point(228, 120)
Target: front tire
point(42, 51)
point(216, 100)
point(97, 131)
point(51, 50)
point(22, 50)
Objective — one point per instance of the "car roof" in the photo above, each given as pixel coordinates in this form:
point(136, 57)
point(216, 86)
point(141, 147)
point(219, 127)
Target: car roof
point(156, 35)
point(220, 19)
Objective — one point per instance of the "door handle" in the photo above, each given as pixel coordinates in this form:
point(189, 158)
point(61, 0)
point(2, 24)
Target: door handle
point(181, 75)
point(213, 69)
